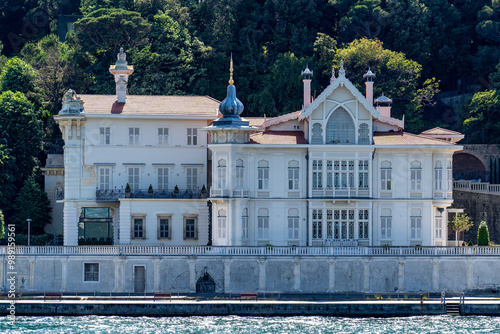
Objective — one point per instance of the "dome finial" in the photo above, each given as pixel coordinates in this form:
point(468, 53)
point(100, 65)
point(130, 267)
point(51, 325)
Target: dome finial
point(342, 70)
point(231, 81)
point(332, 79)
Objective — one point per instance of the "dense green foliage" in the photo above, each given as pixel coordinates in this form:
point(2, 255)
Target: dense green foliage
point(2, 225)
point(483, 235)
point(32, 203)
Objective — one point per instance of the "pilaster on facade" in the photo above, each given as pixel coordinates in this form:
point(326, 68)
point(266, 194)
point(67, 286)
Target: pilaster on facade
point(70, 224)
point(125, 223)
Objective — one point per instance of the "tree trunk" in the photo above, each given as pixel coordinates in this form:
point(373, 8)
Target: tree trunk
point(456, 238)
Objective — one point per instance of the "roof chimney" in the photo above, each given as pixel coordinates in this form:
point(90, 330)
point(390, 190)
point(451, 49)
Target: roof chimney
point(369, 85)
point(306, 79)
point(383, 105)
point(121, 72)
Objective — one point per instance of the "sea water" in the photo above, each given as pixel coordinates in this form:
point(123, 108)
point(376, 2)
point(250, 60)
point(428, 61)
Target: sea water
point(251, 325)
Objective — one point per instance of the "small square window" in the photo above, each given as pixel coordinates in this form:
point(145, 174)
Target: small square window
point(190, 227)
point(91, 272)
point(164, 225)
point(138, 228)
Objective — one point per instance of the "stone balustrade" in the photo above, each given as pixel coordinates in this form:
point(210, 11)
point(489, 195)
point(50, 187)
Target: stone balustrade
point(483, 187)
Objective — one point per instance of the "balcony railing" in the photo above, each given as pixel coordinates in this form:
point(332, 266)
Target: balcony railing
point(115, 194)
point(237, 193)
point(340, 192)
point(481, 187)
point(252, 251)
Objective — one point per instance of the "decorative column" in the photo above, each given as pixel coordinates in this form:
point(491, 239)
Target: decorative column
point(63, 274)
point(366, 272)
point(435, 275)
point(331, 276)
point(296, 274)
point(70, 214)
point(119, 276)
point(227, 276)
point(192, 276)
point(157, 276)
point(262, 275)
point(401, 275)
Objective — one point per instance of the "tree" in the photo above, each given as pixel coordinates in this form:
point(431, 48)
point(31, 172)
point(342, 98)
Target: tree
point(483, 123)
point(397, 77)
point(365, 18)
point(483, 236)
point(7, 188)
point(21, 131)
point(18, 76)
point(31, 203)
point(460, 223)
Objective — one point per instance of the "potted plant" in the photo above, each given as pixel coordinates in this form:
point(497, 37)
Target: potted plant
point(176, 191)
point(150, 191)
point(127, 191)
point(203, 192)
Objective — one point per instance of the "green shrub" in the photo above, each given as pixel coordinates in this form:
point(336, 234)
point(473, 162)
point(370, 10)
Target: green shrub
point(470, 244)
point(483, 236)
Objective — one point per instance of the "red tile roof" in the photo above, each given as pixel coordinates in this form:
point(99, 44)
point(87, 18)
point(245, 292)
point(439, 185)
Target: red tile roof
point(278, 138)
point(198, 106)
point(404, 138)
point(440, 131)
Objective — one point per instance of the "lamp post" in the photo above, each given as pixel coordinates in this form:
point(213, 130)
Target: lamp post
point(29, 229)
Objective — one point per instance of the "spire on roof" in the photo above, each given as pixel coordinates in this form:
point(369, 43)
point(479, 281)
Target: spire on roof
point(342, 70)
point(332, 79)
point(231, 81)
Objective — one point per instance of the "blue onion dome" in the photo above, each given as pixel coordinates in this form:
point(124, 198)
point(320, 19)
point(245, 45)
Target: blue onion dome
point(383, 100)
point(231, 106)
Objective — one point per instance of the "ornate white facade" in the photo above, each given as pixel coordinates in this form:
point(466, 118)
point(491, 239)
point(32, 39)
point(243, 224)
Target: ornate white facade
point(141, 171)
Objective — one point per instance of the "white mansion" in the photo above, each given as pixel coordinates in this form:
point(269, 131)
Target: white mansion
point(149, 170)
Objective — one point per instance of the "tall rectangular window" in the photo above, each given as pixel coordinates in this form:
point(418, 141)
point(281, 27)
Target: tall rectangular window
point(133, 178)
point(343, 175)
point(293, 224)
point(416, 224)
point(263, 175)
point(317, 174)
point(449, 177)
point(386, 224)
point(104, 177)
point(192, 178)
point(164, 227)
point(138, 226)
point(329, 174)
point(222, 224)
point(263, 224)
point(293, 175)
point(439, 228)
point(317, 224)
point(190, 228)
point(162, 136)
point(416, 176)
point(221, 174)
point(104, 136)
point(162, 178)
point(239, 174)
point(438, 176)
point(133, 136)
point(363, 174)
point(386, 176)
point(363, 223)
point(192, 136)
point(244, 224)
point(91, 272)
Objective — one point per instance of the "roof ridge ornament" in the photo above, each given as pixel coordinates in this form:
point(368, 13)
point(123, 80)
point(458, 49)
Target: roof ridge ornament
point(231, 81)
point(341, 70)
point(332, 79)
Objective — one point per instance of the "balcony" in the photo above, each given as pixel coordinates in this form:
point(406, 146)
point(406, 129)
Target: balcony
point(115, 194)
point(340, 192)
point(236, 193)
point(479, 187)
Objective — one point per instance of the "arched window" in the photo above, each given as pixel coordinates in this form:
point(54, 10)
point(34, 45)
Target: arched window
point(317, 134)
point(293, 224)
point(449, 175)
point(221, 224)
point(364, 137)
point(239, 173)
point(263, 175)
point(415, 176)
point(293, 175)
point(263, 224)
point(221, 174)
point(438, 176)
point(244, 224)
point(385, 176)
point(386, 224)
point(340, 128)
point(416, 224)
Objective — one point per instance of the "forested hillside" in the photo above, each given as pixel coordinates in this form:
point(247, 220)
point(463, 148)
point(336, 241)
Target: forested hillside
point(417, 48)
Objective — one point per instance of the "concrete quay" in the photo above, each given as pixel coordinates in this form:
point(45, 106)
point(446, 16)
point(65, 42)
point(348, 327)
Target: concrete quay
point(214, 307)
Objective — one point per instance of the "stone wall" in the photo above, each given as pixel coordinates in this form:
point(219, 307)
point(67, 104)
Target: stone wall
point(477, 161)
point(286, 274)
point(479, 206)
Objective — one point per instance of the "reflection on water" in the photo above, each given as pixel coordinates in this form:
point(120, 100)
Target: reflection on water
point(253, 325)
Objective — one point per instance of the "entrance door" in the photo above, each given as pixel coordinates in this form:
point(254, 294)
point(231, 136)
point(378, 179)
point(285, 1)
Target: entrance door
point(140, 279)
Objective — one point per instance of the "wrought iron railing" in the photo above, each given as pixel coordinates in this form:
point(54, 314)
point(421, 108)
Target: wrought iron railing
point(253, 251)
point(115, 194)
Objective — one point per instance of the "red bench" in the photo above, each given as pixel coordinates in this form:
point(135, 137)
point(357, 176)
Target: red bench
point(52, 295)
point(162, 296)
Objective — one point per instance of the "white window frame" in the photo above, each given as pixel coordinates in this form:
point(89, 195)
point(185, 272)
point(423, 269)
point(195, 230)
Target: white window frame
point(244, 224)
point(192, 174)
point(386, 224)
point(162, 177)
point(293, 175)
point(439, 228)
point(222, 174)
point(192, 136)
point(293, 224)
point(240, 174)
point(134, 177)
point(163, 136)
point(317, 167)
point(104, 174)
point(438, 176)
point(104, 136)
point(317, 224)
point(363, 174)
point(90, 274)
point(363, 224)
point(263, 224)
point(416, 224)
point(416, 176)
point(221, 224)
point(386, 176)
point(134, 136)
point(263, 175)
